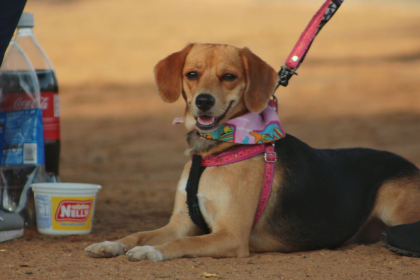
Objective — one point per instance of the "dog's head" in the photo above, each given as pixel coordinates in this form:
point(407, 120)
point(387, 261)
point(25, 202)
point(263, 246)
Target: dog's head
point(218, 83)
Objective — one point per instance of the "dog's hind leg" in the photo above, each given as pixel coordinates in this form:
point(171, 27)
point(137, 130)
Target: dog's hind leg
point(399, 207)
point(398, 201)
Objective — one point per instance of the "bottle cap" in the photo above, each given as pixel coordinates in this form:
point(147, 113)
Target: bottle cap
point(26, 20)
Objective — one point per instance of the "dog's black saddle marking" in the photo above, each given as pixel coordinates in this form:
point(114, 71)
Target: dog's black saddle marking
point(328, 194)
point(192, 189)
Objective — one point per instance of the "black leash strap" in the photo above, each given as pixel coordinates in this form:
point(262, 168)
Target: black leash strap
point(192, 189)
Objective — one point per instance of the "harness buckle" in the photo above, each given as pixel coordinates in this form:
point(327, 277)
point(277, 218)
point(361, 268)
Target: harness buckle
point(270, 157)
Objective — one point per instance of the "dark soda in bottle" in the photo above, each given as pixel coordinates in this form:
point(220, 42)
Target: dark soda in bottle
point(49, 94)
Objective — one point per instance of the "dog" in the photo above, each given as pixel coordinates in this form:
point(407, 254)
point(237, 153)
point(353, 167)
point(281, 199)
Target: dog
point(321, 198)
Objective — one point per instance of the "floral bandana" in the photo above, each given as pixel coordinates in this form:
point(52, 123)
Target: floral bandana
point(250, 128)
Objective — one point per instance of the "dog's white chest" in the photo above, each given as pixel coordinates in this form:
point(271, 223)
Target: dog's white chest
point(202, 198)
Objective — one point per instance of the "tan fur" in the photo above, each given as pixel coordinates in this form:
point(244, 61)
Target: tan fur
point(261, 81)
point(229, 194)
point(168, 75)
point(397, 201)
point(260, 239)
point(211, 62)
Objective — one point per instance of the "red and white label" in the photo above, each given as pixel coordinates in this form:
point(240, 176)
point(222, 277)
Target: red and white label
point(50, 115)
point(49, 103)
point(73, 211)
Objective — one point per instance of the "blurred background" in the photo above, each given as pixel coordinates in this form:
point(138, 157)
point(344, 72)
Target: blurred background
point(359, 86)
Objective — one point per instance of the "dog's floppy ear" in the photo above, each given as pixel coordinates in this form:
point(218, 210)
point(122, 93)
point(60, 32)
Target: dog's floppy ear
point(261, 81)
point(168, 75)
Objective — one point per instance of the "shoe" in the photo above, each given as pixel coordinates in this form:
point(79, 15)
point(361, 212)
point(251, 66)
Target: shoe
point(11, 226)
point(403, 239)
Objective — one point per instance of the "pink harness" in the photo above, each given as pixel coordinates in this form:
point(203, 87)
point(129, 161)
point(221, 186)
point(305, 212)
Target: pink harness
point(244, 153)
point(258, 131)
point(269, 132)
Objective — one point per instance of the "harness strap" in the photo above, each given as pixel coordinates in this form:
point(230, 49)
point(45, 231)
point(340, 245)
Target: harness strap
point(245, 152)
point(270, 158)
point(302, 46)
point(192, 189)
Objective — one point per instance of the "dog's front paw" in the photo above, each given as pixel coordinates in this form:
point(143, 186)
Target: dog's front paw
point(105, 249)
point(144, 253)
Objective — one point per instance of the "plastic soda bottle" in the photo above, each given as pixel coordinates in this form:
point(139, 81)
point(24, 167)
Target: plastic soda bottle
point(49, 94)
point(21, 134)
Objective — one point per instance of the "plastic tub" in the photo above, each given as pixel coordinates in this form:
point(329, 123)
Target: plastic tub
point(64, 208)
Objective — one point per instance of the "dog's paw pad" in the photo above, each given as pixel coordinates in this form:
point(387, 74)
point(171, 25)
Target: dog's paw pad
point(105, 249)
point(144, 253)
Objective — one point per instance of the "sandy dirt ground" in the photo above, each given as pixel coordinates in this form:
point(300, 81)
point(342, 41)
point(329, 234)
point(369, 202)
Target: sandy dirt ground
point(359, 86)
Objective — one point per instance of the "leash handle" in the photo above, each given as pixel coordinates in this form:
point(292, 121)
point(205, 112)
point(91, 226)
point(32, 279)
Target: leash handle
point(302, 46)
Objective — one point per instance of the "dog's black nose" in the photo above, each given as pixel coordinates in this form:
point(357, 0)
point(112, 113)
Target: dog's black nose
point(204, 101)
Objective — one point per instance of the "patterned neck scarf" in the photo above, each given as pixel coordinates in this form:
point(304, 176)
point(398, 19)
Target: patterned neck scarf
point(250, 128)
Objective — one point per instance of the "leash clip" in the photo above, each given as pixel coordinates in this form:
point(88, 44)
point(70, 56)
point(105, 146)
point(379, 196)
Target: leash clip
point(285, 74)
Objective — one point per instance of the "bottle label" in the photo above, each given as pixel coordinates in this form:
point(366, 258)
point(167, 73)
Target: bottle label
point(19, 101)
point(21, 137)
point(49, 103)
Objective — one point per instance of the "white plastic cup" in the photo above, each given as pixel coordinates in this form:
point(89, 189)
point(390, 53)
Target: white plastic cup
point(64, 208)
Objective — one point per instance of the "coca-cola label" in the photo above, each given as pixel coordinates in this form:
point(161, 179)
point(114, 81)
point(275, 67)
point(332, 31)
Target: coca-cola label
point(20, 101)
point(21, 104)
point(49, 103)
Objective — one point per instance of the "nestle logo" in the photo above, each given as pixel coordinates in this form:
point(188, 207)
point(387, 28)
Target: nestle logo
point(73, 211)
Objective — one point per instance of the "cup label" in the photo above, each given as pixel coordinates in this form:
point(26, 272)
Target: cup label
point(43, 211)
point(72, 213)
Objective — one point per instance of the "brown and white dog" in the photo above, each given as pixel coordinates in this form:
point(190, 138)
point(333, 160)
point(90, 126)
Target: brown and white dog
point(320, 198)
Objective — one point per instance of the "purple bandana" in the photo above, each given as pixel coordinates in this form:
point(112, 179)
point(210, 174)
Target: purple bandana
point(250, 128)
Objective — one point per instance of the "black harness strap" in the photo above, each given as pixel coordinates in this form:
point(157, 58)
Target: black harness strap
point(192, 189)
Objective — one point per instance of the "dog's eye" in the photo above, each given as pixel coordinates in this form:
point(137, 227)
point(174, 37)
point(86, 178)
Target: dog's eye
point(228, 77)
point(192, 75)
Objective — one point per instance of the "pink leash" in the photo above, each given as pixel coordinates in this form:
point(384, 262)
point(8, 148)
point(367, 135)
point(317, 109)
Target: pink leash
point(302, 46)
